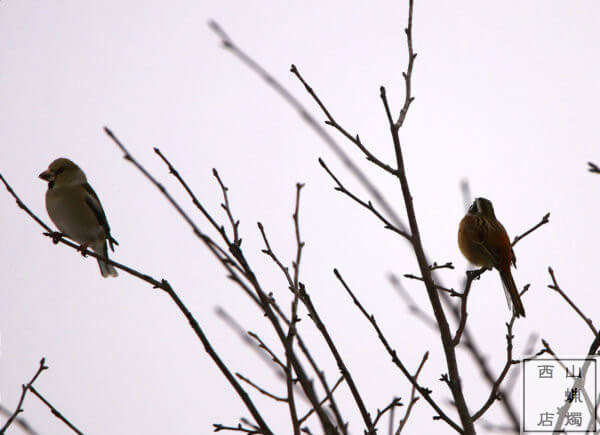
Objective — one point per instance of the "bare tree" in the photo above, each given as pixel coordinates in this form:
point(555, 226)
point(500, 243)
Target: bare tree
point(292, 357)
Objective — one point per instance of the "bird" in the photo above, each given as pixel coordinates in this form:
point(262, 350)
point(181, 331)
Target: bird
point(484, 242)
point(76, 210)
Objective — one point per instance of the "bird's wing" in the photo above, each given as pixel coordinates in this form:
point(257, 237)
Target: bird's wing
point(492, 257)
point(94, 204)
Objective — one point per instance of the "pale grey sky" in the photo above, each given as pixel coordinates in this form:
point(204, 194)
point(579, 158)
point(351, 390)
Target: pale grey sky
point(506, 96)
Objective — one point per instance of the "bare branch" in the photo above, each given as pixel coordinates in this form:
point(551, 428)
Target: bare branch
point(368, 205)
point(509, 362)
point(447, 265)
point(245, 335)
point(40, 369)
point(450, 291)
point(556, 287)
point(310, 120)
point(239, 428)
point(408, 98)
point(260, 389)
point(545, 220)
point(425, 392)
point(325, 399)
point(55, 411)
point(294, 316)
point(234, 223)
point(413, 396)
point(332, 122)
point(471, 275)
point(381, 412)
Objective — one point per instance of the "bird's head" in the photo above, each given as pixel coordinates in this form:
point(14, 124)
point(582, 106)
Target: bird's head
point(63, 172)
point(482, 207)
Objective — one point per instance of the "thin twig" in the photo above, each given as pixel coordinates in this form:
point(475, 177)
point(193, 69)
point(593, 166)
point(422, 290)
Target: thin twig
point(305, 298)
point(545, 220)
point(333, 123)
point(374, 192)
point(450, 291)
point(509, 362)
point(245, 335)
point(325, 399)
point(408, 98)
point(554, 286)
point(368, 205)
point(260, 389)
point(239, 428)
point(26, 387)
point(55, 411)
point(436, 266)
point(425, 392)
point(471, 275)
point(285, 270)
point(243, 268)
point(396, 402)
point(413, 396)
point(225, 205)
point(294, 316)
point(164, 285)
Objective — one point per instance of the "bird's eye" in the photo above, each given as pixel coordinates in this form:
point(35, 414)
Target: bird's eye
point(59, 170)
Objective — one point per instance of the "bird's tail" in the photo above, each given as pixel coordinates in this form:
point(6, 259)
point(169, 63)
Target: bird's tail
point(512, 293)
point(105, 268)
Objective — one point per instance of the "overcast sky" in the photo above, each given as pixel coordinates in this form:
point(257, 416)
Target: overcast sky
point(506, 96)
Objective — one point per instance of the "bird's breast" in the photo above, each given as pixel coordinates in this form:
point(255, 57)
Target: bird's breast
point(72, 216)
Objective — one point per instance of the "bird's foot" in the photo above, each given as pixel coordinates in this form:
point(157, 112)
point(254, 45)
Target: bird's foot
point(83, 248)
point(55, 235)
point(476, 273)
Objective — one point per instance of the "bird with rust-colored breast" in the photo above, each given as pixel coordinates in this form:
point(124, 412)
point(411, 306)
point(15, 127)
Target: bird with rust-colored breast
point(484, 242)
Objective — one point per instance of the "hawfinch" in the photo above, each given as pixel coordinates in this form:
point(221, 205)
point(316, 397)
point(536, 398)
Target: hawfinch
point(75, 209)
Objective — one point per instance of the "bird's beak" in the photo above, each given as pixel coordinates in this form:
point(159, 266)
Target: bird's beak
point(46, 175)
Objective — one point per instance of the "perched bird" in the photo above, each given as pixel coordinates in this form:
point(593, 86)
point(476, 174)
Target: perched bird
point(483, 241)
point(75, 209)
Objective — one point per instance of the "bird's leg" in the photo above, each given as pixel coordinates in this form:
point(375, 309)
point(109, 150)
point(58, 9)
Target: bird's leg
point(83, 247)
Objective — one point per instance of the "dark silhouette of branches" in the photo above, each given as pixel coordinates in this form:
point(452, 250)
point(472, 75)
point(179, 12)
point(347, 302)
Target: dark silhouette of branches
point(368, 205)
point(291, 356)
point(13, 417)
point(164, 284)
point(509, 362)
point(300, 290)
point(471, 275)
point(425, 392)
point(413, 396)
point(578, 384)
point(41, 368)
point(268, 303)
point(554, 286)
point(55, 411)
point(271, 81)
point(544, 221)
